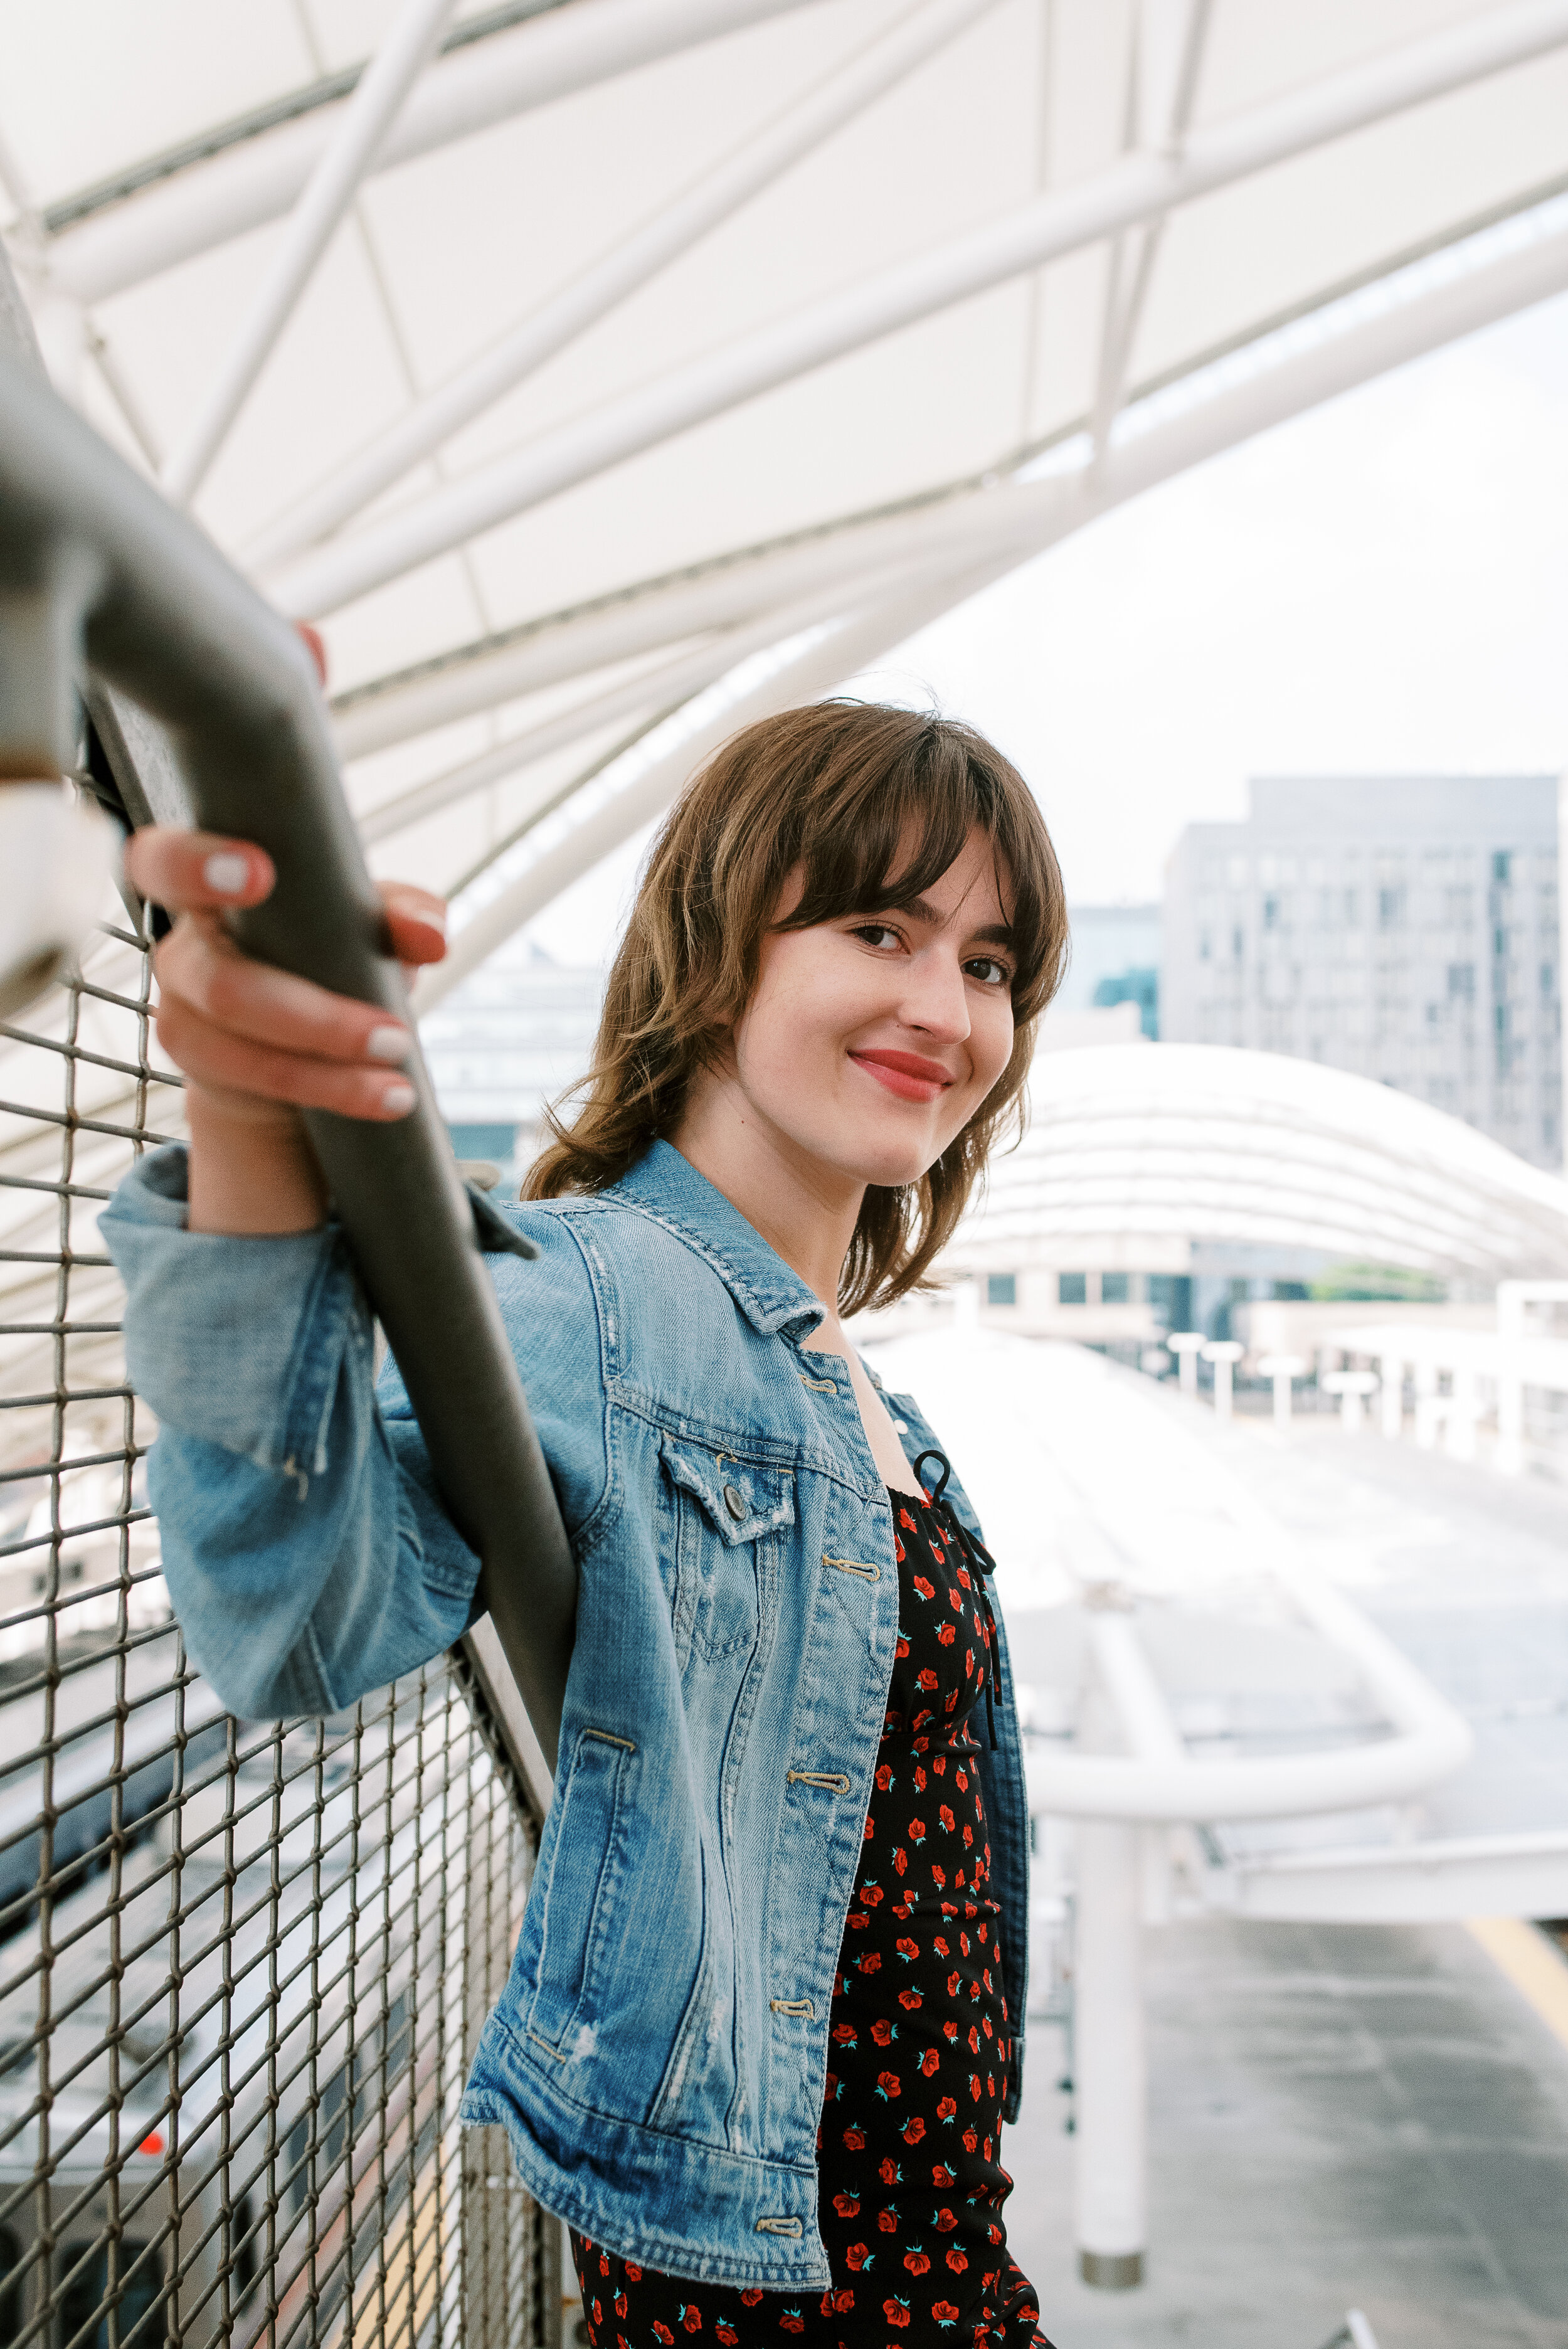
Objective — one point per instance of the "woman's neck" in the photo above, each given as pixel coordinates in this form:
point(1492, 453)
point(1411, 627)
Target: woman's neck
point(805, 1211)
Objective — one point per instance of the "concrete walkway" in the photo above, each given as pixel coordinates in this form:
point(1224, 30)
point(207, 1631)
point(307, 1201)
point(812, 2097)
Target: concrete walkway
point(1341, 2116)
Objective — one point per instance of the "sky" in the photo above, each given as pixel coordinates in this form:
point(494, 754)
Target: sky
point(1378, 587)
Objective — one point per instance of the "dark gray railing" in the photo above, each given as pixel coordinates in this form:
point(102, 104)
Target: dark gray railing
point(97, 568)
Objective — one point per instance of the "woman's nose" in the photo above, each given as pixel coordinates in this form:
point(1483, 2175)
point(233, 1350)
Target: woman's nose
point(936, 999)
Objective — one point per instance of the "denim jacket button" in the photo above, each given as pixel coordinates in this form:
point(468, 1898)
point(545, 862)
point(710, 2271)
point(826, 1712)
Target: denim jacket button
point(735, 1503)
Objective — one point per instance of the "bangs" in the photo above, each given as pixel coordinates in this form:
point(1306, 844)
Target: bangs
point(883, 831)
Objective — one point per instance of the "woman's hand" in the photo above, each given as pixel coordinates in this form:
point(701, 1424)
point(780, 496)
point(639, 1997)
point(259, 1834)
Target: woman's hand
point(258, 1045)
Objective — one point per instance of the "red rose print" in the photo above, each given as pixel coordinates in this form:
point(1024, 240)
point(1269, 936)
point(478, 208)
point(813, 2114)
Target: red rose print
point(896, 2311)
point(945, 2222)
point(975, 2087)
point(792, 2321)
point(622, 2303)
point(691, 2318)
point(901, 1859)
point(855, 2257)
point(888, 2221)
point(662, 2332)
point(598, 2314)
point(884, 1778)
point(969, 1836)
point(847, 2205)
point(925, 1678)
point(950, 2028)
point(945, 1815)
point(916, 2262)
point(940, 1946)
point(918, 1779)
point(954, 1601)
point(936, 1553)
point(926, 1590)
point(870, 1895)
point(939, 1878)
point(751, 2296)
point(898, 1549)
point(914, 2129)
point(941, 2174)
point(970, 2139)
point(902, 1648)
point(973, 2041)
point(728, 2334)
point(908, 1950)
point(917, 1830)
point(947, 1634)
point(956, 2260)
point(882, 2032)
point(963, 1782)
point(889, 2171)
point(888, 2082)
point(871, 1964)
point(946, 2109)
point(951, 1983)
point(910, 1999)
point(945, 2313)
point(843, 2302)
point(929, 2061)
point(906, 1521)
point(855, 2141)
point(844, 2032)
point(634, 2274)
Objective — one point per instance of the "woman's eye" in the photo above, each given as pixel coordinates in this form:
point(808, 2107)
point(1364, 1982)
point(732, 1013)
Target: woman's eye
point(987, 967)
point(878, 934)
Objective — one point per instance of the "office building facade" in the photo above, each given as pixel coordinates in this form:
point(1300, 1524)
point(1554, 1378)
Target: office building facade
point(1405, 928)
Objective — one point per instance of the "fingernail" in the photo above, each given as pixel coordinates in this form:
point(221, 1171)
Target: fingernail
point(388, 1044)
point(398, 1100)
point(226, 873)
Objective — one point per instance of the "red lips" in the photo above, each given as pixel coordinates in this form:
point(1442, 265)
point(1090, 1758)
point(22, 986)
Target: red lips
point(905, 1074)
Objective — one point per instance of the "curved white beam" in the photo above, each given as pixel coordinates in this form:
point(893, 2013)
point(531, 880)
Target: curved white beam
point(768, 152)
point(661, 689)
point(813, 671)
point(1009, 526)
point(1157, 1780)
point(547, 57)
point(357, 138)
point(1138, 189)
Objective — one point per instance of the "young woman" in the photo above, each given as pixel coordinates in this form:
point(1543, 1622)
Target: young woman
point(765, 2018)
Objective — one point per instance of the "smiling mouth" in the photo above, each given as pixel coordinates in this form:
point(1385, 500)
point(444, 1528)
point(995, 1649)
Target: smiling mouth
point(905, 1074)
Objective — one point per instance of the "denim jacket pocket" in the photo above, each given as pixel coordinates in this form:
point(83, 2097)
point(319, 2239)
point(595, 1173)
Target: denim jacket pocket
point(716, 1512)
point(586, 1865)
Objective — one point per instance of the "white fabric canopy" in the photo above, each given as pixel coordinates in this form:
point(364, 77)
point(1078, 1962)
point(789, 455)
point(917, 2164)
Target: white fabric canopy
point(702, 349)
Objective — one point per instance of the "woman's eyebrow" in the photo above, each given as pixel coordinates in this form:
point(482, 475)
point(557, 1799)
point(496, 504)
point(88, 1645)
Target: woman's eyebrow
point(921, 910)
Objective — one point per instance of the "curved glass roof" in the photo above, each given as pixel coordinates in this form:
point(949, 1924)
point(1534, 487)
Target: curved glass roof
point(644, 364)
point(1202, 1142)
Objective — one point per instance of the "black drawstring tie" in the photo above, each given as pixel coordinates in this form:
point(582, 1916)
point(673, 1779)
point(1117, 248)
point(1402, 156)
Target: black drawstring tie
point(974, 1553)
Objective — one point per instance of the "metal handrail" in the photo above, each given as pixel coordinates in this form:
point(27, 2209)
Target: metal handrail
point(95, 567)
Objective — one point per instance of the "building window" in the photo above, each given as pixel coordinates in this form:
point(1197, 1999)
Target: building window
point(1114, 1288)
point(1238, 945)
point(1462, 982)
point(1001, 1289)
point(1501, 867)
point(1391, 909)
point(1072, 1287)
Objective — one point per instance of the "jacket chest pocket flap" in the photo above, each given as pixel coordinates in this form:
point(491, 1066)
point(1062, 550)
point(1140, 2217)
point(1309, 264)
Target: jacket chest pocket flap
point(720, 1511)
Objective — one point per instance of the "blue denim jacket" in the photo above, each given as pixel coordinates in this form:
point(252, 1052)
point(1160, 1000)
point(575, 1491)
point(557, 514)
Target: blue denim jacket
point(659, 2053)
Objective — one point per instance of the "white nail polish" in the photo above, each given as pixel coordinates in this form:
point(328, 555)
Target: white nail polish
point(226, 873)
point(398, 1100)
point(392, 1044)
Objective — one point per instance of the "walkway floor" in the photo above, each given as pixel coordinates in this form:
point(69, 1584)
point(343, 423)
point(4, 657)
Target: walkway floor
point(1341, 2116)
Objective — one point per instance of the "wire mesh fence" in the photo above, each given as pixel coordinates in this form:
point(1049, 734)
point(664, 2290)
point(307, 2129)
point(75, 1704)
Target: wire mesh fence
point(242, 1964)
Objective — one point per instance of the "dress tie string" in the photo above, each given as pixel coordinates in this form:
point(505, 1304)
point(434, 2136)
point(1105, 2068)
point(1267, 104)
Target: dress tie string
point(974, 1553)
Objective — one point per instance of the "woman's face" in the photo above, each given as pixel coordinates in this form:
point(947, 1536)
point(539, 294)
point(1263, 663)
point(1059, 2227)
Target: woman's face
point(871, 1041)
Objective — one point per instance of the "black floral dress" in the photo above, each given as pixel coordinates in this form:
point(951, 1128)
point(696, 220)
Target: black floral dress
point(912, 2187)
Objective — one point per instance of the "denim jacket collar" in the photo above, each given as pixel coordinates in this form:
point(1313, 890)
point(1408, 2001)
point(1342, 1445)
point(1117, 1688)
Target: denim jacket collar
point(667, 1187)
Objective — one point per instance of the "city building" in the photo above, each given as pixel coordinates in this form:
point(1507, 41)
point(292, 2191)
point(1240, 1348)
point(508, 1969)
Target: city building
point(514, 1036)
point(1402, 927)
point(1115, 958)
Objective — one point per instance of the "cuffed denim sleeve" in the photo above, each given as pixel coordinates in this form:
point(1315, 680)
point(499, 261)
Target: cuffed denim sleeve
point(307, 1554)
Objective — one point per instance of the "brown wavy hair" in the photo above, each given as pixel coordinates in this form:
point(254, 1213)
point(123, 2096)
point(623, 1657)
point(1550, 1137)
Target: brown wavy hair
point(830, 792)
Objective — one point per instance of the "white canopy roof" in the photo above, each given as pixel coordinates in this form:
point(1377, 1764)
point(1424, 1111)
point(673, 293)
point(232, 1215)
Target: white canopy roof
point(633, 366)
point(1202, 1142)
